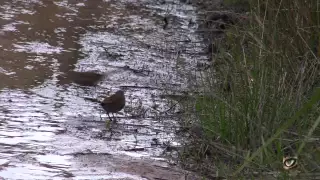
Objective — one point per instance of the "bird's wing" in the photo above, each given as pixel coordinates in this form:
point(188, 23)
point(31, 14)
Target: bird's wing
point(107, 101)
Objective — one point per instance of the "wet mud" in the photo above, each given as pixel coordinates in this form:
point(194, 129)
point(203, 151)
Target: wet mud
point(57, 54)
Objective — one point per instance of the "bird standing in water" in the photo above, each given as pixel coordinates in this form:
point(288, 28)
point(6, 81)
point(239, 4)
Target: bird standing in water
point(114, 103)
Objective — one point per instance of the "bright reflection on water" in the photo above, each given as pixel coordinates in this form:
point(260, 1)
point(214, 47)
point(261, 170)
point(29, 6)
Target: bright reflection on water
point(48, 130)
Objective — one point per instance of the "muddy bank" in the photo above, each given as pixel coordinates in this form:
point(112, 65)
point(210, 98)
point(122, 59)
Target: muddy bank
point(48, 128)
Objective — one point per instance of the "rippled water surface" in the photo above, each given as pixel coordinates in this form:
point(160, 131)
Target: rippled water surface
point(48, 128)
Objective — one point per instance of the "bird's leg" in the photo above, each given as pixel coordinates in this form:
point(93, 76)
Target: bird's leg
point(108, 122)
point(115, 119)
point(109, 116)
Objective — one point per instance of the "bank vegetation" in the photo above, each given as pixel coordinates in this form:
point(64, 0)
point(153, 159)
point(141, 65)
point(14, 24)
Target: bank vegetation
point(258, 104)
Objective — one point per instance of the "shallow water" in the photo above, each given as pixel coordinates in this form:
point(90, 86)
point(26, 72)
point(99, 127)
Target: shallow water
point(48, 130)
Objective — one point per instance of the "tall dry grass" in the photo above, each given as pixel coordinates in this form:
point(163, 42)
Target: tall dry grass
point(261, 97)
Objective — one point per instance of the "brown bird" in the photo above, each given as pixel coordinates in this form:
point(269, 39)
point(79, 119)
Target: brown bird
point(114, 103)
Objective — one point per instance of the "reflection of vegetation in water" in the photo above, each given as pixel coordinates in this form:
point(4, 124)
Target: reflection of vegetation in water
point(265, 103)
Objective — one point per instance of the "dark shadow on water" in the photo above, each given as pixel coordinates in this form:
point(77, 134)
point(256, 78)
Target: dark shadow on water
point(50, 27)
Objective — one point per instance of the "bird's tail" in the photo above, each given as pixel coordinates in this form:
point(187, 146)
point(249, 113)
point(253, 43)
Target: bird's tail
point(92, 99)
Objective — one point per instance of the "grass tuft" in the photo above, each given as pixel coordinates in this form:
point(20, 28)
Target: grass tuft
point(260, 98)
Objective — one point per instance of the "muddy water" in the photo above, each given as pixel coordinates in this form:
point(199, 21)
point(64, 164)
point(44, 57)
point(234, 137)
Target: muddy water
point(48, 128)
